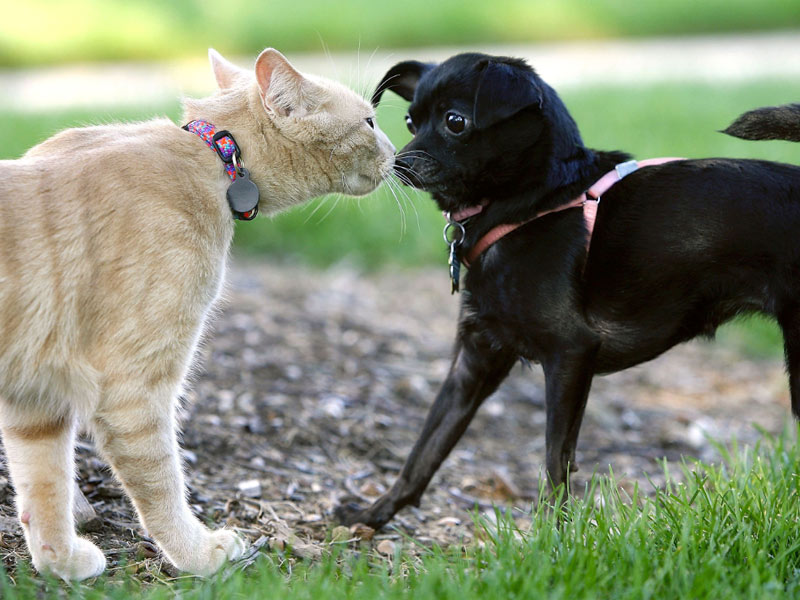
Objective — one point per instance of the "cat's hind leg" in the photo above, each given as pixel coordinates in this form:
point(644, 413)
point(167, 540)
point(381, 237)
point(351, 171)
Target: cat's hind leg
point(135, 429)
point(41, 463)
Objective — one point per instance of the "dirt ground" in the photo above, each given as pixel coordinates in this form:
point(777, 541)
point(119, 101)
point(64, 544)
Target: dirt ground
point(313, 385)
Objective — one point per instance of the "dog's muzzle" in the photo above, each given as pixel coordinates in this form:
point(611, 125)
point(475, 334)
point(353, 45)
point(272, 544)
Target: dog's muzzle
point(404, 168)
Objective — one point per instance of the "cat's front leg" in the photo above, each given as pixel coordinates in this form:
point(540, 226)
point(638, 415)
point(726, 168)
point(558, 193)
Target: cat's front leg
point(137, 435)
point(40, 456)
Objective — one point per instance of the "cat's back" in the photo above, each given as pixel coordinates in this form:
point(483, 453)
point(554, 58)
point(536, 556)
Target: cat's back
point(88, 141)
point(113, 228)
point(130, 175)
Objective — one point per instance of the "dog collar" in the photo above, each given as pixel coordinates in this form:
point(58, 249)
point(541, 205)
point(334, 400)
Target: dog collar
point(589, 200)
point(242, 194)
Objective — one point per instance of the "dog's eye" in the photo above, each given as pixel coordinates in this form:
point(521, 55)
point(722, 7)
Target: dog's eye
point(371, 122)
point(410, 125)
point(455, 122)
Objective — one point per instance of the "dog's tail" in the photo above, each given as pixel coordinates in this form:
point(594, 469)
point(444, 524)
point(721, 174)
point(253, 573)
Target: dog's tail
point(768, 123)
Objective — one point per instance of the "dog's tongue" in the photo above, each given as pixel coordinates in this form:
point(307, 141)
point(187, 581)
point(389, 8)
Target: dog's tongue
point(466, 213)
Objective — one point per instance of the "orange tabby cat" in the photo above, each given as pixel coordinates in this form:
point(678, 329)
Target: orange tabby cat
point(113, 244)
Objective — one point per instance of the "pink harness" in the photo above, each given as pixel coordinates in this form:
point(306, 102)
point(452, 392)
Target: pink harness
point(589, 200)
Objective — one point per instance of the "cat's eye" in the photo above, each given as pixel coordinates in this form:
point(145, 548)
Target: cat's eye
point(371, 122)
point(455, 122)
point(410, 124)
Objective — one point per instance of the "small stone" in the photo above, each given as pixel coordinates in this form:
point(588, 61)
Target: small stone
point(146, 549)
point(277, 544)
point(340, 534)
point(250, 488)
point(362, 532)
point(333, 406)
point(386, 547)
point(81, 509)
point(504, 487)
point(371, 489)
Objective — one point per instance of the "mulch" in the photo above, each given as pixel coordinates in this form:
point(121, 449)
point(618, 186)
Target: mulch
point(313, 385)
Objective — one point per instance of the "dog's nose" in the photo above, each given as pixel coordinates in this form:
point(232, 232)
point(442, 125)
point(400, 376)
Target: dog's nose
point(405, 171)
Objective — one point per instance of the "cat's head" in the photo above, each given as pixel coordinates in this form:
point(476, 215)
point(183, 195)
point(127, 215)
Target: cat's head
point(323, 135)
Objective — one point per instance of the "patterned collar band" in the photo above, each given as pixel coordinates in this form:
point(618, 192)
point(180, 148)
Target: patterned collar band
point(243, 193)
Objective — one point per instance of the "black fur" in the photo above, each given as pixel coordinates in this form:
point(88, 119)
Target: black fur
point(677, 250)
point(768, 123)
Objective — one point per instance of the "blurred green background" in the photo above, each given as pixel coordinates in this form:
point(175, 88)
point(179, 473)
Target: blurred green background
point(401, 230)
point(46, 31)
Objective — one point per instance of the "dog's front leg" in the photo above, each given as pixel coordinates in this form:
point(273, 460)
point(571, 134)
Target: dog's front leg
point(476, 371)
point(568, 377)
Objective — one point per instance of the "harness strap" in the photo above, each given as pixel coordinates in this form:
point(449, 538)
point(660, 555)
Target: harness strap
point(589, 200)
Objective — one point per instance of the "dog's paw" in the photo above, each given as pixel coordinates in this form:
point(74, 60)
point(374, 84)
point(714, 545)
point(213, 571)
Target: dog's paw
point(349, 513)
point(374, 516)
point(81, 560)
point(210, 553)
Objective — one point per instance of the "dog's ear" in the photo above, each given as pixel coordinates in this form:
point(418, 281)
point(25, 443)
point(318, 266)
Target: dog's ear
point(503, 91)
point(225, 72)
point(402, 79)
point(284, 90)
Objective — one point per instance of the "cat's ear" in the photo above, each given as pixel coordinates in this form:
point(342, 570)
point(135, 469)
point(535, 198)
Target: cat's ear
point(284, 90)
point(402, 79)
point(225, 72)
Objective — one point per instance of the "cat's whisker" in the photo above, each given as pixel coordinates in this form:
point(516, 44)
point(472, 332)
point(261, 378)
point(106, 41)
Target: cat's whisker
point(402, 211)
point(319, 205)
point(338, 197)
point(369, 85)
point(397, 187)
point(326, 51)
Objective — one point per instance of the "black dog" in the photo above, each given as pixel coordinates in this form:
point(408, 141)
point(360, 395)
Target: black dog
point(677, 249)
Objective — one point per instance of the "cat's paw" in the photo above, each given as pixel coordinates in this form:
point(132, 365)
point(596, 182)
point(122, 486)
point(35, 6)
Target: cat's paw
point(79, 561)
point(216, 548)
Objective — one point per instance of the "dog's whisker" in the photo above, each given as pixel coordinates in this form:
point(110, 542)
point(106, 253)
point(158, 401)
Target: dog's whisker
point(420, 154)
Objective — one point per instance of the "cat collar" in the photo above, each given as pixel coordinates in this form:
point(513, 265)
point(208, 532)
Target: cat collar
point(242, 194)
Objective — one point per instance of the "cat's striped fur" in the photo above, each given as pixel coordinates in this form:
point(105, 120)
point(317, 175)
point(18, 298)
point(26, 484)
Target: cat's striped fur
point(113, 244)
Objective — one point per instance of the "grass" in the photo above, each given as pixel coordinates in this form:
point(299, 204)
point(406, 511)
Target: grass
point(729, 530)
point(42, 31)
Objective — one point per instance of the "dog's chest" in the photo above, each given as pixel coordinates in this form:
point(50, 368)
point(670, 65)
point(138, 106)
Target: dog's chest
point(519, 317)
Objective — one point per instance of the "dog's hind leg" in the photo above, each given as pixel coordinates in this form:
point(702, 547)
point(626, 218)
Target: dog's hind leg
point(790, 324)
point(568, 377)
point(477, 369)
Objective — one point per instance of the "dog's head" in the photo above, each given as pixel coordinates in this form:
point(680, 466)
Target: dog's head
point(484, 128)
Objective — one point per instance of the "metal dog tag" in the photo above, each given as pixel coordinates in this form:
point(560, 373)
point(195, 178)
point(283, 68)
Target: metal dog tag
point(455, 268)
point(453, 235)
point(242, 196)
